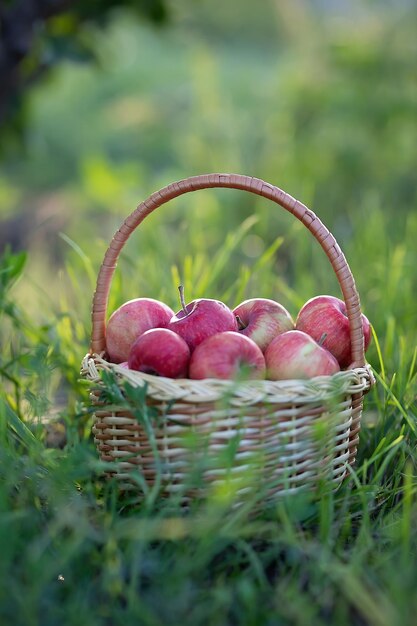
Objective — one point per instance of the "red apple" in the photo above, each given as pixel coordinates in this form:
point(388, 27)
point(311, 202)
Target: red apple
point(261, 320)
point(131, 320)
point(162, 352)
point(325, 317)
point(226, 355)
point(295, 354)
point(201, 319)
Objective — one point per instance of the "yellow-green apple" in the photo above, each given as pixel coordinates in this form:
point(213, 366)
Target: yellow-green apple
point(325, 319)
point(161, 352)
point(261, 320)
point(131, 320)
point(200, 319)
point(294, 354)
point(227, 355)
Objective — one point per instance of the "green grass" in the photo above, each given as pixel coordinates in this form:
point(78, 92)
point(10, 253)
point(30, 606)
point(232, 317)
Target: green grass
point(334, 116)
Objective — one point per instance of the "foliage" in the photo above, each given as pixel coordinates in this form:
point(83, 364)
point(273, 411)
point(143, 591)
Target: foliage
point(38, 34)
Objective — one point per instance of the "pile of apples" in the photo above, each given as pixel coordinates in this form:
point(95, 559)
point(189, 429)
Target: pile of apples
point(206, 339)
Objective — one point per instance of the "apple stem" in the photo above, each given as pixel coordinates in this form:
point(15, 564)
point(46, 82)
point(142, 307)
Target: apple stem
point(240, 324)
point(182, 299)
point(322, 339)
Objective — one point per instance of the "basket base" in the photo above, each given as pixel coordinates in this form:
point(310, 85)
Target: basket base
point(221, 439)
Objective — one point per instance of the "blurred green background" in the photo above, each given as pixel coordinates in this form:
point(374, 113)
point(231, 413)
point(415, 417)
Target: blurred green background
point(319, 98)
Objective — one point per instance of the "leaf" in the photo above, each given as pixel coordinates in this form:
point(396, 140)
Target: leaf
point(18, 427)
point(11, 268)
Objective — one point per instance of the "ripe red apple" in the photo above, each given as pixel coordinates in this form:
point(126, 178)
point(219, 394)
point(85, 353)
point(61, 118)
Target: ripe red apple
point(261, 320)
point(131, 320)
point(161, 352)
point(201, 319)
point(226, 355)
point(325, 317)
point(295, 354)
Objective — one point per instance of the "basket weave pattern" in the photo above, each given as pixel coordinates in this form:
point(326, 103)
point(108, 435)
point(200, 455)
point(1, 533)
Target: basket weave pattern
point(273, 424)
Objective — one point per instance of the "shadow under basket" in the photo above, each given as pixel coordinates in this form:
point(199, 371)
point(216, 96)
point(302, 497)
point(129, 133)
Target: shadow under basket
point(230, 438)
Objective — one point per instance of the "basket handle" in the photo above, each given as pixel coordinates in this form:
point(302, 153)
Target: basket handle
point(246, 183)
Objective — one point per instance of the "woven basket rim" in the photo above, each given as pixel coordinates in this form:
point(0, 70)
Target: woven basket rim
point(352, 381)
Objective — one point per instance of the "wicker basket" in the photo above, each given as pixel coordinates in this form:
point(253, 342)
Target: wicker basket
point(272, 436)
